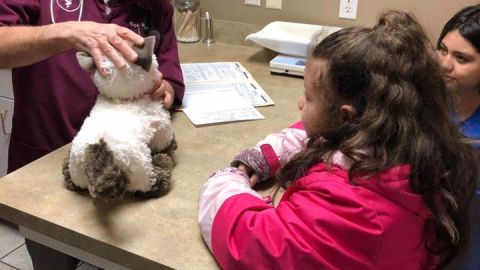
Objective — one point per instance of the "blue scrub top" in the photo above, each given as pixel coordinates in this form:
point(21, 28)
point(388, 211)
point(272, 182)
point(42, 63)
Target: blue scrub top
point(471, 128)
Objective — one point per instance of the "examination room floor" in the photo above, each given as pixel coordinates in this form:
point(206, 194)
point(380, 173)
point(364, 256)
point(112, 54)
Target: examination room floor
point(13, 252)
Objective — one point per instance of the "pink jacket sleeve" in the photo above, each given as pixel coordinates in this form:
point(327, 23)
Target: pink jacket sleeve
point(222, 185)
point(274, 151)
point(307, 230)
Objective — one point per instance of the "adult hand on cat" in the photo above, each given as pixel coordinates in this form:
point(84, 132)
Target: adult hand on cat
point(100, 39)
point(163, 90)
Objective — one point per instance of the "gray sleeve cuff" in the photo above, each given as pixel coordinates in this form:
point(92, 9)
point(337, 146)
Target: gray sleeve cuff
point(255, 160)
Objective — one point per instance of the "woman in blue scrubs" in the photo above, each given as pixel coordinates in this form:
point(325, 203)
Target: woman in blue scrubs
point(459, 54)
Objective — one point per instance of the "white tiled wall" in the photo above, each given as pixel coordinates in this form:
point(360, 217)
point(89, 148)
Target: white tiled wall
point(6, 113)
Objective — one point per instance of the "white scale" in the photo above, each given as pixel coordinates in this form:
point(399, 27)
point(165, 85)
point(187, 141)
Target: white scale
point(288, 65)
point(291, 40)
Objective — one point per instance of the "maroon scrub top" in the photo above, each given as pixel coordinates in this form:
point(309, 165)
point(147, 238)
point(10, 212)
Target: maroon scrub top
point(54, 96)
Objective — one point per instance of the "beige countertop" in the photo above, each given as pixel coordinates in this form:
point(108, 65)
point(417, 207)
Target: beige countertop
point(149, 234)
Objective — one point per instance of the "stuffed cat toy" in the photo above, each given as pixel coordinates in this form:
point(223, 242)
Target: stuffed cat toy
point(127, 142)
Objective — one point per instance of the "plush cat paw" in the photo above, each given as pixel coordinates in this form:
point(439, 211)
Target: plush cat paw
point(67, 179)
point(163, 164)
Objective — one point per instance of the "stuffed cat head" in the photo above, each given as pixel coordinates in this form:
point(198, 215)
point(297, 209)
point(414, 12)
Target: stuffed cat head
point(134, 80)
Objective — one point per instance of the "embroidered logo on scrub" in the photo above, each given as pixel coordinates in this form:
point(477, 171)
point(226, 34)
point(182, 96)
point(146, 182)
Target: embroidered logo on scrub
point(139, 28)
point(66, 10)
point(69, 5)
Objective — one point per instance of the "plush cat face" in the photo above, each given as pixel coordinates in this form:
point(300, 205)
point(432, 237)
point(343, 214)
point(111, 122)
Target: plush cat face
point(132, 81)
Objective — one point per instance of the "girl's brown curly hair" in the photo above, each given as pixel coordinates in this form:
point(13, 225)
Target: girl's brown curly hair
point(391, 77)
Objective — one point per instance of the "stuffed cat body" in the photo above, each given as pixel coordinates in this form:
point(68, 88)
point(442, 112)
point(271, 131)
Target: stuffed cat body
point(127, 142)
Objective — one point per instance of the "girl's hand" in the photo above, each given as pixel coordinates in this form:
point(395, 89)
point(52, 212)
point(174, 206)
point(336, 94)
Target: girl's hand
point(249, 172)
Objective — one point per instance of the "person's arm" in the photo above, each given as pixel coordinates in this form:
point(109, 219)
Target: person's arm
point(309, 229)
point(25, 45)
point(271, 153)
point(171, 87)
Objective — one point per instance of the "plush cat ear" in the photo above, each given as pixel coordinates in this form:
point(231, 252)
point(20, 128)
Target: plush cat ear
point(85, 61)
point(145, 53)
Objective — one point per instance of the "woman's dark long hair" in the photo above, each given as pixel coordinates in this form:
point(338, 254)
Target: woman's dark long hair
point(467, 22)
point(391, 77)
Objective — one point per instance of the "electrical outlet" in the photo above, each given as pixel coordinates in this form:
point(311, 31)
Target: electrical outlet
point(275, 4)
point(253, 2)
point(348, 9)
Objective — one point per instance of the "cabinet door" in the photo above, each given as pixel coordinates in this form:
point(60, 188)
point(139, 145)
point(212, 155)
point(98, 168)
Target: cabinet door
point(6, 89)
point(6, 113)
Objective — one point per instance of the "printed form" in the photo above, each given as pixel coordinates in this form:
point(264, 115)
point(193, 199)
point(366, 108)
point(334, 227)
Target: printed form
point(221, 92)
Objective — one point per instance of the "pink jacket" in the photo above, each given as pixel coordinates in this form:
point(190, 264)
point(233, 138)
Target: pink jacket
point(321, 222)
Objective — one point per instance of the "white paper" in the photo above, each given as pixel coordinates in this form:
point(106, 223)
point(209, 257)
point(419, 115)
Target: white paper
point(206, 107)
point(233, 73)
point(221, 92)
point(244, 90)
point(208, 72)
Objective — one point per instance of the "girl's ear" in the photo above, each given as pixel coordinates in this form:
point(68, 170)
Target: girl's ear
point(348, 113)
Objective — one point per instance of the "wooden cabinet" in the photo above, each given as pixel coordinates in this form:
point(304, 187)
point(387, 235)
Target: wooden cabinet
point(6, 113)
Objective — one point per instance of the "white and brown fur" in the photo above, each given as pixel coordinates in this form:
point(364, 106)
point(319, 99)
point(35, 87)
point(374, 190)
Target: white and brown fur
point(127, 142)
